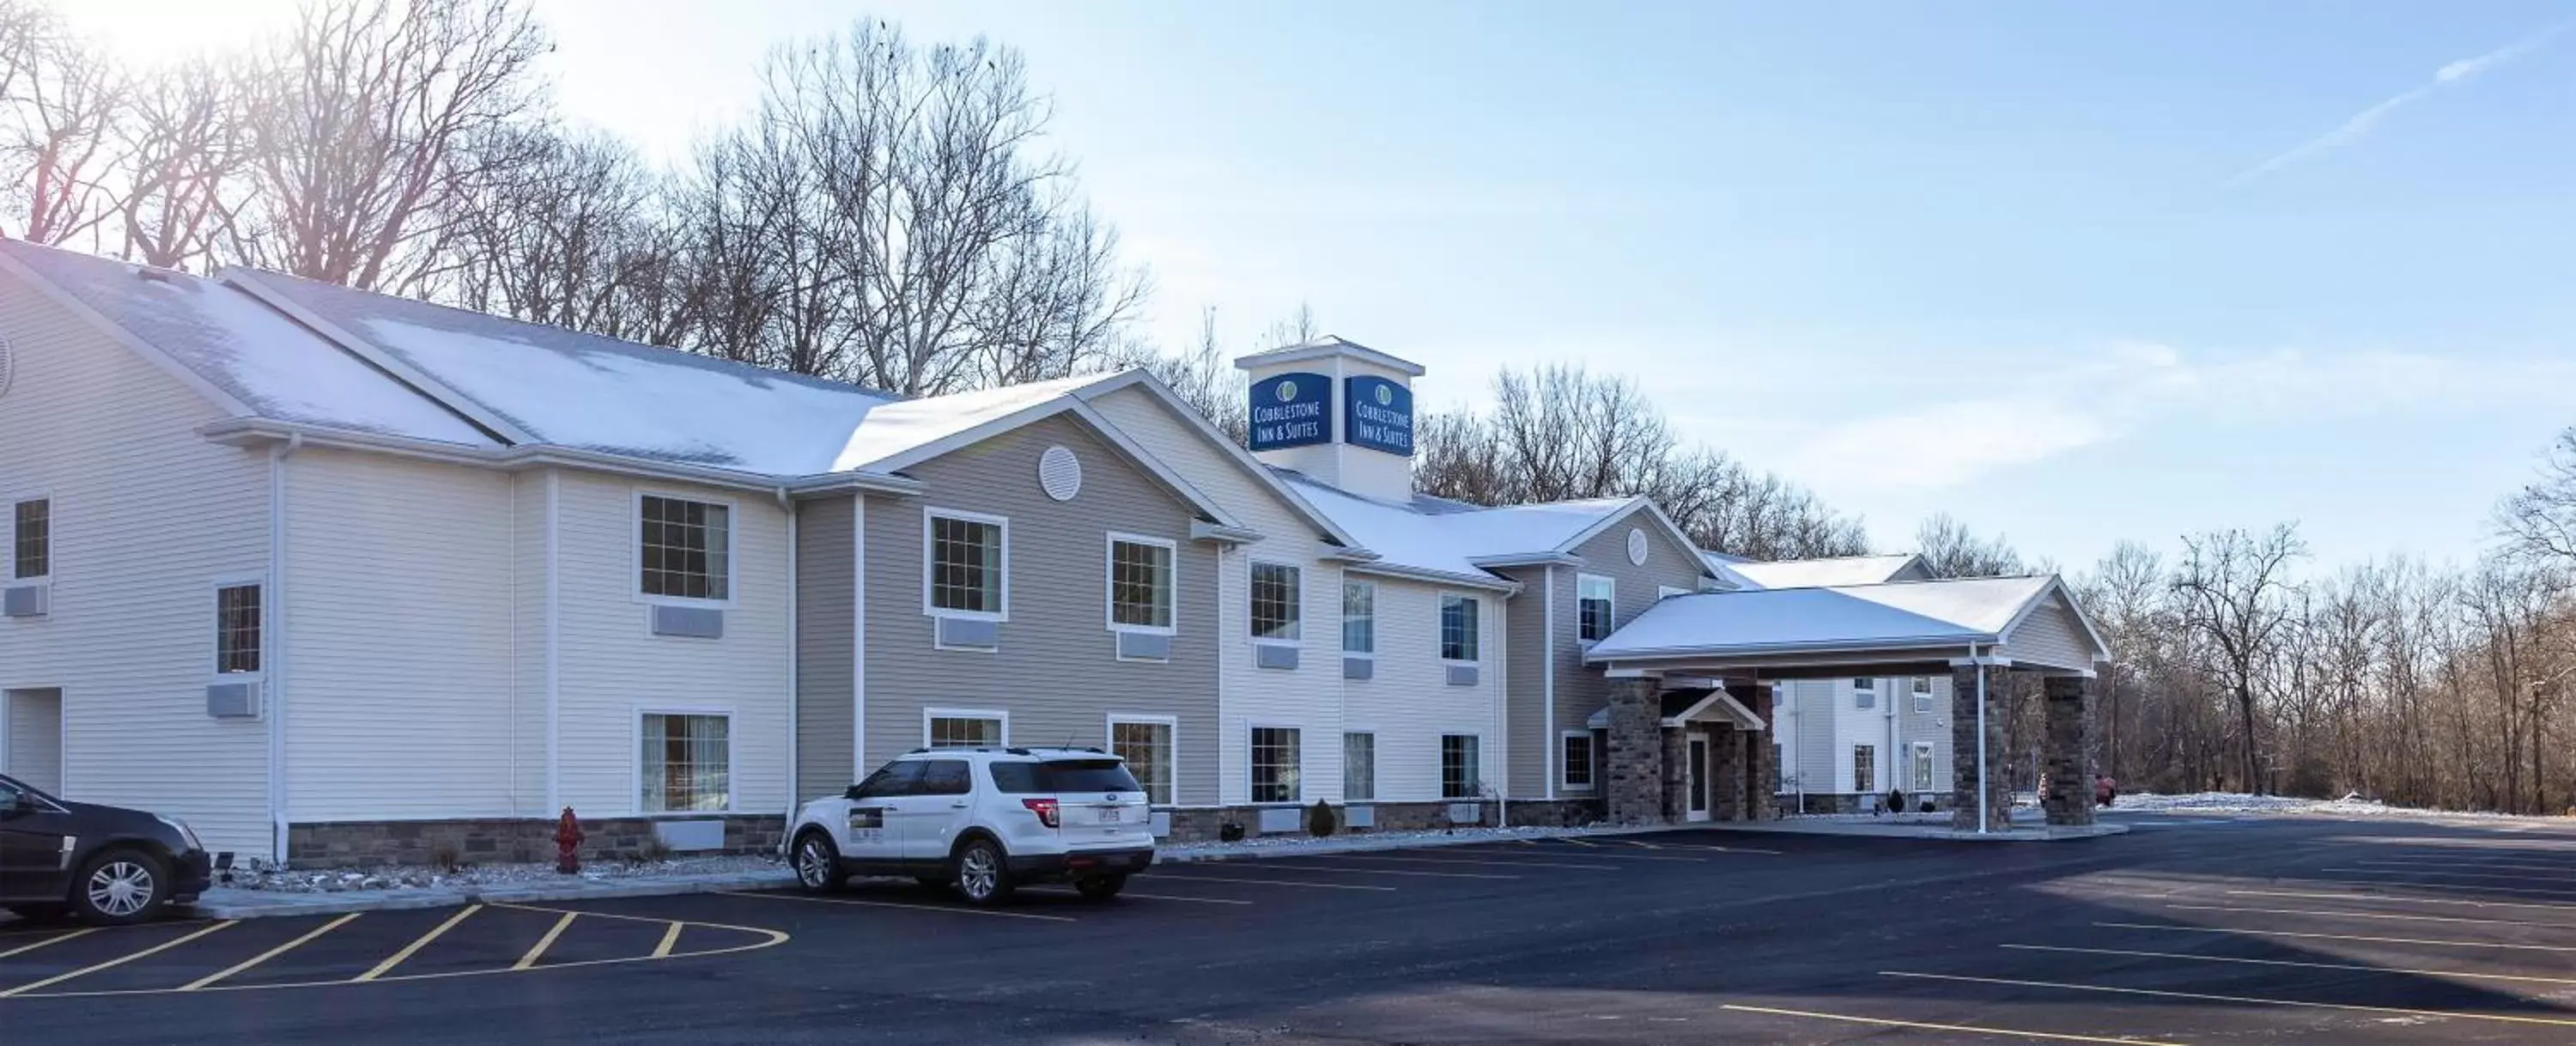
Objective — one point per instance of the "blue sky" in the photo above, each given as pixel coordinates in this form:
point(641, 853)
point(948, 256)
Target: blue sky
point(2070, 272)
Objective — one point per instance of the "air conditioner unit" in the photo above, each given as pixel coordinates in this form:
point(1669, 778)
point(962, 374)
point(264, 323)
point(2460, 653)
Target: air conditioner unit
point(34, 600)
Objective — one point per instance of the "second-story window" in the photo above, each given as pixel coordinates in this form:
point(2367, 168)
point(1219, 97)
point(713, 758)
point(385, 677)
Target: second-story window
point(688, 548)
point(33, 547)
point(969, 565)
point(237, 626)
point(1864, 693)
point(1274, 602)
point(1923, 695)
point(1593, 598)
point(1458, 638)
point(1140, 583)
point(1359, 617)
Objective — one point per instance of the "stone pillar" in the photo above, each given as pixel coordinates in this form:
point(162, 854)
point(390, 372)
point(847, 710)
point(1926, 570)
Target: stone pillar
point(1762, 757)
point(1963, 748)
point(1726, 756)
point(1676, 771)
point(1634, 757)
point(2069, 750)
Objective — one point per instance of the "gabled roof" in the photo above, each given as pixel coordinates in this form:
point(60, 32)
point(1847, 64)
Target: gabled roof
point(1818, 573)
point(1447, 538)
point(1842, 619)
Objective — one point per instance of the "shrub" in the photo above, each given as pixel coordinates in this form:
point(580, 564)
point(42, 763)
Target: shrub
point(1321, 821)
point(652, 849)
point(1230, 832)
point(444, 856)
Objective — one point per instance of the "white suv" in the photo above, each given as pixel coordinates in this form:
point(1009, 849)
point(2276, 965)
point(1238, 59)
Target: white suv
point(984, 820)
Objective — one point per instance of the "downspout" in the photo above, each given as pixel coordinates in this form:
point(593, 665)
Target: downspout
point(554, 641)
point(275, 633)
point(1548, 742)
point(795, 696)
point(1984, 797)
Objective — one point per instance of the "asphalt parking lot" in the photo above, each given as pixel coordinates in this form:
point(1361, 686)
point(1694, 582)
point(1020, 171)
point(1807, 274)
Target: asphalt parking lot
point(2186, 930)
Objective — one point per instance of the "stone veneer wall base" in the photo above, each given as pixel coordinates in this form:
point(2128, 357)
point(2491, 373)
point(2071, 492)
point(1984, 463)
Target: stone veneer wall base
point(366, 844)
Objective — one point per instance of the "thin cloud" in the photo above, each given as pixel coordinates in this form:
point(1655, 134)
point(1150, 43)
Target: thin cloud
point(2361, 123)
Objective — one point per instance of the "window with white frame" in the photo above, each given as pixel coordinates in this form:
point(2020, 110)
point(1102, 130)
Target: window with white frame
point(1275, 602)
point(32, 539)
point(1923, 767)
point(963, 730)
point(1594, 600)
point(1922, 695)
point(1458, 631)
point(968, 565)
point(1140, 584)
point(237, 628)
point(1359, 767)
point(1864, 693)
point(1277, 772)
point(1864, 768)
point(687, 548)
point(1146, 745)
point(1575, 761)
point(1359, 617)
point(1461, 774)
point(687, 763)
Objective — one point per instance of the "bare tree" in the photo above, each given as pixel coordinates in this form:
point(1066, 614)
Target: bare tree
point(184, 144)
point(2539, 521)
point(1950, 550)
point(2235, 587)
point(60, 102)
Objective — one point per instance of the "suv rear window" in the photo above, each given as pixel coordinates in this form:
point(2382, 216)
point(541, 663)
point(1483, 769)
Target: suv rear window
point(1064, 775)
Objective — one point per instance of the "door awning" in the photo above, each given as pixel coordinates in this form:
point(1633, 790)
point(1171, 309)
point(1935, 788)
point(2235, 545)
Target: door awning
point(1693, 706)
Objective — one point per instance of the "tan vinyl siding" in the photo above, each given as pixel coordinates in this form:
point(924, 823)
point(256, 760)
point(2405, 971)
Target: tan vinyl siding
point(146, 516)
point(2050, 636)
point(1056, 670)
point(824, 641)
point(1530, 757)
point(1581, 689)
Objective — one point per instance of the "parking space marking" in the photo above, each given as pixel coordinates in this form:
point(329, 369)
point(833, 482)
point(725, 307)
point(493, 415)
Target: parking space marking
point(58, 939)
point(1471, 860)
point(1131, 894)
point(2552, 880)
point(2286, 962)
point(2341, 937)
point(118, 961)
point(2386, 899)
point(538, 950)
point(1277, 882)
point(1605, 852)
point(1927, 1026)
point(2371, 915)
point(2254, 999)
point(944, 909)
point(1336, 870)
point(669, 937)
point(269, 954)
point(1709, 847)
point(408, 950)
point(2503, 866)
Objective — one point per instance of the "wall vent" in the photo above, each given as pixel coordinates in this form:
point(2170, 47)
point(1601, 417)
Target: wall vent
point(1060, 473)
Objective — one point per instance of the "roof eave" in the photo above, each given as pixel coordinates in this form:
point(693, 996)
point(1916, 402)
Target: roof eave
point(1898, 645)
point(243, 432)
point(1382, 568)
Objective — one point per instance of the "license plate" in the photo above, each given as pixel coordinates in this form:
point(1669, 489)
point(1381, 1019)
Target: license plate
point(1112, 815)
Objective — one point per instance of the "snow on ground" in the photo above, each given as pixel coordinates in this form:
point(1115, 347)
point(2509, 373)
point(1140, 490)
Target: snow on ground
point(2241, 803)
point(415, 877)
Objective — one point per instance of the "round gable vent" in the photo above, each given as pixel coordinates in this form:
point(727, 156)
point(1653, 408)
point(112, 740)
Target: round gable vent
point(1637, 546)
point(1060, 473)
point(8, 366)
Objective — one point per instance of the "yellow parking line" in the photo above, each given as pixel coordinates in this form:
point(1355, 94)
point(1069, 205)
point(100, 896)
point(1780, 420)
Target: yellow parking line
point(2343, 937)
point(669, 937)
point(24, 948)
point(1470, 860)
point(2369, 915)
point(118, 961)
point(1274, 882)
point(2255, 999)
point(909, 907)
point(2385, 899)
point(269, 954)
point(1568, 842)
point(414, 947)
point(1969, 1028)
point(2286, 962)
point(545, 942)
point(1632, 842)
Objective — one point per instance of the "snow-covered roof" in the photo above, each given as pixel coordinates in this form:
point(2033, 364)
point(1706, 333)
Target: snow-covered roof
point(242, 349)
point(1446, 538)
point(1326, 347)
point(895, 430)
point(1818, 573)
point(1844, 617)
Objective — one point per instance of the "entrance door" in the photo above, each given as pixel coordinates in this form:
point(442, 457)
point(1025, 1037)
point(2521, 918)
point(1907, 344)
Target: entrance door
point(1695, 780)
point(34, 731)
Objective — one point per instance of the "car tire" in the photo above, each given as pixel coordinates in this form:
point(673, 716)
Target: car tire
point(121, 887)
point(1100, 887)
point(981, 871)
point(817, 862)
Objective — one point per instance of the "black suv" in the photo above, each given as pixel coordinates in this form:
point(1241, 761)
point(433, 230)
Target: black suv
point(104, 863)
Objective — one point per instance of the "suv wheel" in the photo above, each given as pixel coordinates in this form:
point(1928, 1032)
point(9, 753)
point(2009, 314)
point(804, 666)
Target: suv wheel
point(818, 863)
point(120, 887)
point(981, 873)
point(1100, 887)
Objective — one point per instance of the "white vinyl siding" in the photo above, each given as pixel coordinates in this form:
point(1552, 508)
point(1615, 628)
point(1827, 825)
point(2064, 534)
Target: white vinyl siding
point(2049, 636)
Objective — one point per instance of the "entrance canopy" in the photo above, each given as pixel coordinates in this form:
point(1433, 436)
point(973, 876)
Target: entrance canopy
point(1706, 704)
point(1894, 628)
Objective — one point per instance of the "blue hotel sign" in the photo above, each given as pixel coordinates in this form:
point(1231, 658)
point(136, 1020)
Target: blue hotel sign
point(1378, 414)
point(1291, 410)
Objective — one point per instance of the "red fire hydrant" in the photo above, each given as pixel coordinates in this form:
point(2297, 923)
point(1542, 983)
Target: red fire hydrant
point(568, 843)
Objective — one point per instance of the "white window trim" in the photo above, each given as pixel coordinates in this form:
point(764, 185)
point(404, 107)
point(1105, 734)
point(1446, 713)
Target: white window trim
point(1924, 699)
point(1441, 753)
point(1852, 762)
point(1348, 732)
point(1612, 624)
point(9, 529)
point(1171, 752)
point(931, 512)
point(928, 714)
point(635, 756)
point(1371, 653)
point(1926, 765)
point(1251, 566)
point(1252, 764)
point(635, 548)
point(1109, 583)
point(1440, 625)
point(1593, 764)
point(214, 626)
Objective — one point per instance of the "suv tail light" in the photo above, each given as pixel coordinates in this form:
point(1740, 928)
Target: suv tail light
point(1046, 811)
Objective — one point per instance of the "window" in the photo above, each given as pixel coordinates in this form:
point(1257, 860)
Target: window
point(968, 565)
point(897, 778)
point(687, 764)
point(237, 629)
point(1593, 600)
point(947, 777)
point(1064, 775)
point(1140, 584)
point(1864, 694)
point(1359, 768)
point(1576, 760)
point(1146, 745)
point(945, 729)
point(1275, 765)
point(688, 547)
point(1274, 602)
point(1461, 776)
point(1458, 628)
point(1359, 617)
point(34, 544)
point(1922, 695)
point(1922, 767)
point(1864, 769)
